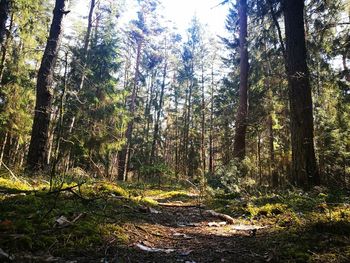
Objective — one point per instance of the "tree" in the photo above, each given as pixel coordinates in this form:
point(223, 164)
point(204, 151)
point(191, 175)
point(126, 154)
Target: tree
point(141, 30)
point(242, 112)
point(304, 168)
point(86, 44)
point(37, 156)
point(4, 13)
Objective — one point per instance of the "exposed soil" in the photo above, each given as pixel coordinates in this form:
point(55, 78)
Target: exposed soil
point(183, 234)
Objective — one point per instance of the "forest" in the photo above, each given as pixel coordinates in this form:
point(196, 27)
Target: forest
point(133, 141)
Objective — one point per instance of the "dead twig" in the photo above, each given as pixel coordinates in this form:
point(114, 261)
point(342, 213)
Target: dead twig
point(69, 189)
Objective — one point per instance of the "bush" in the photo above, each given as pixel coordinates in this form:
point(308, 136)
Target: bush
point(156, 173)
point(233, 178)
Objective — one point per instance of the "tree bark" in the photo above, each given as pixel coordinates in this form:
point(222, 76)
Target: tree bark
point(4, 14)
point(4, 48)
point(304, 169)
point(2, 151)
point(203, 152)
point(211, 139)
point(37, 156)
point(241, 118)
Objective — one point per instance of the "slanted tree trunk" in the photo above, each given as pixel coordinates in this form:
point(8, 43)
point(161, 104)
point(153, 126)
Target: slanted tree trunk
point(304, 169)
point(241, 118)
point(2, 149)
point(86, 44)
point(37, 156)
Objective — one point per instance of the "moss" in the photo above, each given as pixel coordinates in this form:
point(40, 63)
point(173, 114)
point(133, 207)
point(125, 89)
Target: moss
point(14, 185)
point(114, 232)
point(268, 210)
point(144, 200)
point(107, 187)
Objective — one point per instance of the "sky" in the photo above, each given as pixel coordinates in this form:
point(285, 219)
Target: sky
point(179, 11)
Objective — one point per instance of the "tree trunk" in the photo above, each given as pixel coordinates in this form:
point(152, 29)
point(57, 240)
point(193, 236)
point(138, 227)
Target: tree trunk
point(211, 146)
point(86, 44)
point(2, 151)
point(57, 151)
point(241, 118)
point(176, 130)
point(156, 133)
point(304, 169)
point(272, 166)
point(203, 127)
point(4, 14)
point(124, 154)
point(38, 151)
point(259, 157)
point(4, 48)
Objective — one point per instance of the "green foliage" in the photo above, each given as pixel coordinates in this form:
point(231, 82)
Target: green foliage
point(233, 178)
point(28, 215)
point(156, 173)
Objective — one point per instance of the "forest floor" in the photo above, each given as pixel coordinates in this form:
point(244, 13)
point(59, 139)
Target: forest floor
point(99, 221)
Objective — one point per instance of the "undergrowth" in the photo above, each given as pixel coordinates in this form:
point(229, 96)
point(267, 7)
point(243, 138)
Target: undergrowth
point(82, 217)
point(74, 217)
point(305, 227)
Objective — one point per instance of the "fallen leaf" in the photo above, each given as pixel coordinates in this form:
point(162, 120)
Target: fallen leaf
point(154, 250)
point(216, 224)
point(154, 211)
point(62, 221)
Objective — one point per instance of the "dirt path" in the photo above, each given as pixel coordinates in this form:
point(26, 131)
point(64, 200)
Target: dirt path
point(187, 234)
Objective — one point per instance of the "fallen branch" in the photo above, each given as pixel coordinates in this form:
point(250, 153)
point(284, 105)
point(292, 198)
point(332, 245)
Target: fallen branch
point(13, 174)
point(224, 217)
point(66, 189)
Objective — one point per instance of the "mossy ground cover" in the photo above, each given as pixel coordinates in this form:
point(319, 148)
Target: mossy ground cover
point(95, 213)
point(304, 227)
point(100, 220)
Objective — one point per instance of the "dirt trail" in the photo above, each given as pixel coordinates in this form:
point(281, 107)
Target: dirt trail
point(188, 234)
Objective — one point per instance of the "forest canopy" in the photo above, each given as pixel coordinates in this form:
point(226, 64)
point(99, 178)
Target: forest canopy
point(142, 100)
